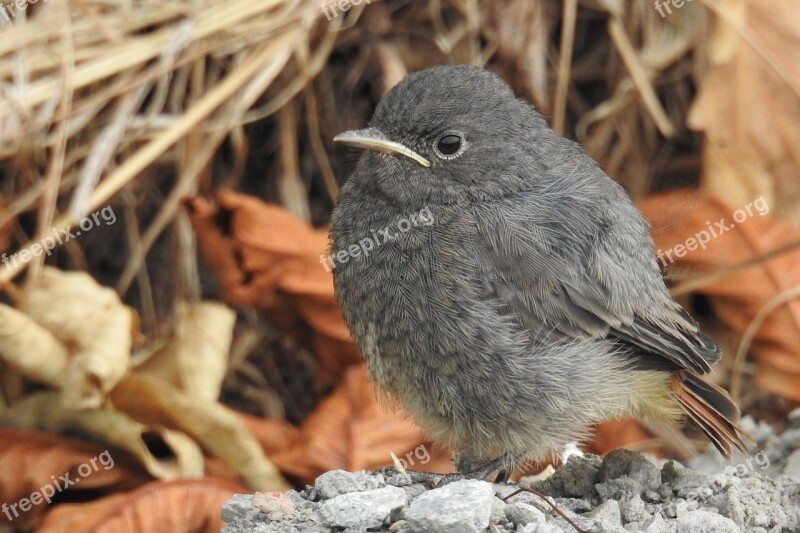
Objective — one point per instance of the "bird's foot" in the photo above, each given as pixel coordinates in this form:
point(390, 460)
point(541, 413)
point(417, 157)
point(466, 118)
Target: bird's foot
point(429, 479)
point(570, 450)
point(450, 478)
point(470, 468)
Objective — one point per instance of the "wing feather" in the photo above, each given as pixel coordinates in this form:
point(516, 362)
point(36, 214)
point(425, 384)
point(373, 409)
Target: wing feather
point(579, 262)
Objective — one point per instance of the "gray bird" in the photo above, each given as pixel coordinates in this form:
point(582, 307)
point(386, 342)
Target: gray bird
point(501, 286)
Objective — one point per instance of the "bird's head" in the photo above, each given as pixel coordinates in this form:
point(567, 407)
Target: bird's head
point(447, 133)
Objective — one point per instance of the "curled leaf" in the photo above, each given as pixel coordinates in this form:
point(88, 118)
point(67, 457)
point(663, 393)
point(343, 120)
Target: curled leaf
point(92, 322)
point(257, 250)
point(30, 348)
point(164, 453)
point(216, 428)
point(196, 357)
point(38, 462)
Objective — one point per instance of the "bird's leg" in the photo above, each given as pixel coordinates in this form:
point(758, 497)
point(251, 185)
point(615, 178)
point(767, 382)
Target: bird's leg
point(426, 478)
point(471, 468)
point(468, 468)
point(570, 450)
point(503, 475)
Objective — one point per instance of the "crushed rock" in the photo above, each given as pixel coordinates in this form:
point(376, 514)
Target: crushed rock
point(623, 492)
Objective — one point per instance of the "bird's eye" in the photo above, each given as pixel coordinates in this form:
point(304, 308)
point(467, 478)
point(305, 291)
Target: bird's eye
point(449, 145)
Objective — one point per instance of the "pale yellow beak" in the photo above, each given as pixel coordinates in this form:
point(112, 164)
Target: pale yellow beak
point(374, 139)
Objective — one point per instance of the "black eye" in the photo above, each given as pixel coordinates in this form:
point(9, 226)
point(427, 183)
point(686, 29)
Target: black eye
point(449, 144)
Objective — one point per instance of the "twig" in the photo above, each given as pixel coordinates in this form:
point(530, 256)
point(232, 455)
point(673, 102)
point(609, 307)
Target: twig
point(709, 279)
point(750, 333)
point(639, 76)
point(548, 502)
point(564, 64)
point(58, 156)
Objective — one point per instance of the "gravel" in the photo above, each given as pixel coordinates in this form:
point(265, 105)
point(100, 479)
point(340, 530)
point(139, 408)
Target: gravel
point(460, 507)
point(362, 510)
point(623, 492)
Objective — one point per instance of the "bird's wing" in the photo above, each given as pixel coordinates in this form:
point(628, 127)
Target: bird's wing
point(575, 258)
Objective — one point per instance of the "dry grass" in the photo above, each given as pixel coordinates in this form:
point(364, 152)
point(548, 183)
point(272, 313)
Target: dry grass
point(95, 94)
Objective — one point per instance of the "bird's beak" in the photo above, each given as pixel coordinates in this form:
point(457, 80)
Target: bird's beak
point(374, 139)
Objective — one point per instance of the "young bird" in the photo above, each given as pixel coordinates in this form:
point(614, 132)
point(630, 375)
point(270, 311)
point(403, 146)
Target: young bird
point(530, 305)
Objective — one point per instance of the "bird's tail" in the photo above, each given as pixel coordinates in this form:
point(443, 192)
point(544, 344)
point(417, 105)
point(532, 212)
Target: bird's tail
point(711, 408)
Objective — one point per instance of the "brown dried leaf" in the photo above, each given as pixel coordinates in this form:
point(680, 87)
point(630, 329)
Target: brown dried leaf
point(748, 105)
point(351, 431)
point(257, 250)
point(679, 216)
point(615, 434)
point(216, 428)
point(187, 505)
point(32, 460)
point(273, 435)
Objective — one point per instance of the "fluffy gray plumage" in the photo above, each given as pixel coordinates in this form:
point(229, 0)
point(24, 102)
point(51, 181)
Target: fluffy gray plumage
point(532, 306)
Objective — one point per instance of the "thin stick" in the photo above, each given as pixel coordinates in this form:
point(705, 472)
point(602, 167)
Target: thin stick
point(548, 502)
point(639, 76)
point(709, 279)
point(750, 333)
point(58, 156)
point(565, 65)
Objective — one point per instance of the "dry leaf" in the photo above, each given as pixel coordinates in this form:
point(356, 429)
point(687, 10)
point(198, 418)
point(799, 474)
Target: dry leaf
point(92, 322)
point(32, 462)
point(679, 220)
point(196, 358)
point(256, 249)
point(616, 434)
point(263, 256)
point(30, 348)
point(149, 444)
point(351, 431)
point(748, 105)
point(216, 428)
point(273, 435)
point(182, 506)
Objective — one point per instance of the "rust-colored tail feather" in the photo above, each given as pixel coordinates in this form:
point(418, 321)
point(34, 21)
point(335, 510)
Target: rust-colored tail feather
point(711, 408)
